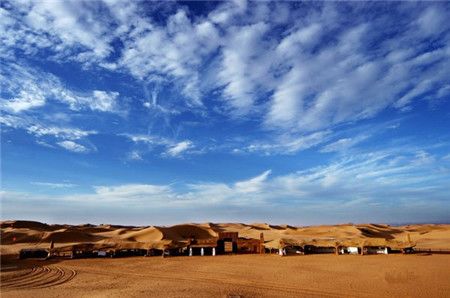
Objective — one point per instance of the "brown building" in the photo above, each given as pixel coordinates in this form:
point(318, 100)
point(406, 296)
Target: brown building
point(228, 242)
point(225, 243)
point(203, 247)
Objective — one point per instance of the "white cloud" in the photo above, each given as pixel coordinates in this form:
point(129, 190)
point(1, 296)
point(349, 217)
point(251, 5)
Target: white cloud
point(135, 155)
point(54, 185)
point(104, 101)
point(228, 11)
point(25, 101)
point(70, 28)
point(175, 51)
point(48, 136)
point(345, 82)
point(423, 158)
point(297, 78)
point(343, 144)
point(293, 78)
point(59, 132)
point(432, 21)
point(385, 179)
point(242, 71)
point(45, 144)
point(144, 192)
point(289, 144)
point(27, 88)
point(149, 140)
point(74, 147)
point(169, 147)
point(39, 130)
point(137, 138)
point(179, 148)
point(252, 185)
point(299, 40)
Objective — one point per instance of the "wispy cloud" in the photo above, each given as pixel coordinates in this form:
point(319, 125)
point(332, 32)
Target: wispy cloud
point(74, 147)
point(169, 148)
point(58, 26)
point(290, 74)
point(132, 192)
point(179, 148)
point(62, 136)
point(135, 155)
point(344, 144)
point(26, 88)
point(54, 185)
point(254, 184)
point(59, 132)
point(146, 139)
point(241, 72)
point(174, 51)
point(362, 180)
point(288, 143)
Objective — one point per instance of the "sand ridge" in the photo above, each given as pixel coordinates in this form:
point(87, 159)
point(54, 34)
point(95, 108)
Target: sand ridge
point(419, 275)
point(19, 234)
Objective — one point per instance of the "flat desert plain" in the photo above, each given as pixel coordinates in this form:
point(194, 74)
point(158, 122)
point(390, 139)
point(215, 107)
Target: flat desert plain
point(241, 275)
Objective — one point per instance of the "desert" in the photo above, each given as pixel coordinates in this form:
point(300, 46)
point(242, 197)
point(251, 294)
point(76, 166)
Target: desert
point(233, 149)
point(240, 274)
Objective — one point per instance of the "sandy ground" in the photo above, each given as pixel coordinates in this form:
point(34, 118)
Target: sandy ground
point(232, 276)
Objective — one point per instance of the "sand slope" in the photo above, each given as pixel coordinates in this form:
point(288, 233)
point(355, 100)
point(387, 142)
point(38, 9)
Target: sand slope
point(19, 234)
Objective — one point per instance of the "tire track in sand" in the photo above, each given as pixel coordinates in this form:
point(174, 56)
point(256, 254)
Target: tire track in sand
point(38, 277)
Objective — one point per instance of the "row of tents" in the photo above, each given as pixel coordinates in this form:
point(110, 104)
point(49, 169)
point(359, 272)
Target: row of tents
point(175, 248)
point(314, 246)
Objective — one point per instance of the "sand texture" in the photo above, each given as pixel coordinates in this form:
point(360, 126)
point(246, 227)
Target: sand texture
point(240, 275)
point(418, 275)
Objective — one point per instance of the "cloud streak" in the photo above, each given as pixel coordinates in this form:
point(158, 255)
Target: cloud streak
point(360, 181)
point(319, 72)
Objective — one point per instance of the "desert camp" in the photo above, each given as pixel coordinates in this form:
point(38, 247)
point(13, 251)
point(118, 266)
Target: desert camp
point(62, 241)
point(218, 259)
point(224, 148)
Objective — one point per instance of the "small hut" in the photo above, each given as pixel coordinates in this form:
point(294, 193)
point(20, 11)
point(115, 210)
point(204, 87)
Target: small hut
point(285, 246)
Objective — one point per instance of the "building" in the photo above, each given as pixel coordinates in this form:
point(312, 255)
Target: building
point(203, 247)
point(225, 243)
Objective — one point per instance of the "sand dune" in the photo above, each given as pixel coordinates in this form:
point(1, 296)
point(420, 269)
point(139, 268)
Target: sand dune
point(150, 234)
point(27, 224)
point(18, 234)
point(184, 232)
point(419, 275)
point(70, 236)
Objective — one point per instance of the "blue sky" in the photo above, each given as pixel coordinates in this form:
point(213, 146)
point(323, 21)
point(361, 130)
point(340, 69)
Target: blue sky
point(281, 112)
